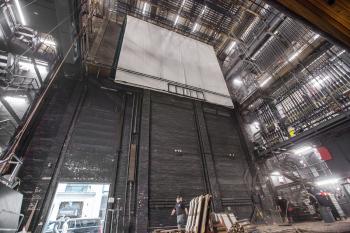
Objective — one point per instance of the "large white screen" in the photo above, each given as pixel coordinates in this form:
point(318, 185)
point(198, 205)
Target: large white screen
point(153, 57)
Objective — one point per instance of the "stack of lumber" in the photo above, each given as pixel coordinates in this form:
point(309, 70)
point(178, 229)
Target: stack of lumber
point(228, 223)
point(167, 231)
point(198, 216)
point(201, 220)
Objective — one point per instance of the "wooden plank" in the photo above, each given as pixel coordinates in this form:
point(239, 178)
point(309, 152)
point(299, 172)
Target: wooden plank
point(190, 215)
point(232, 218)
point(194, 216)
point(132, 163)
point(199, 214)
point(226, 221)
point(205, 216)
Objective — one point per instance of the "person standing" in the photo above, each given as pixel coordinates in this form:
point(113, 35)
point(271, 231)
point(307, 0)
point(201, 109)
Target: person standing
point(282, 204)
point(65, 225)
point(180, 211)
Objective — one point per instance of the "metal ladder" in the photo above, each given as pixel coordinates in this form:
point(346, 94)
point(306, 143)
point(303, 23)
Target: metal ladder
point(336, 205)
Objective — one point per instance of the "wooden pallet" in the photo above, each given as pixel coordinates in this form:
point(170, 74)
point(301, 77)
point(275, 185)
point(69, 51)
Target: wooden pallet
point(198, 216)
point(190, 215)
point(205, 214)
point(194, 215)
point(228, 223)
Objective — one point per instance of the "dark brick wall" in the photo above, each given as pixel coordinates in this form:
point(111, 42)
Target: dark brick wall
point(86, 134)
point(42, 152)
point(172, 128)
point(229, 159)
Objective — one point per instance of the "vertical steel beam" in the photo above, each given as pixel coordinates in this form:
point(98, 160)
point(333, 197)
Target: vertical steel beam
point(37, 71)
point(10, 110)
point(207, 157)
point(143, 166)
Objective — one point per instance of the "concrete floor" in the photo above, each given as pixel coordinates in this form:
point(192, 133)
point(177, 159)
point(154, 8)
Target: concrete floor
point(309, 227)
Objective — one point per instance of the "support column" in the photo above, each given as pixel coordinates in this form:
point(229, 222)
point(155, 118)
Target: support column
point(207, 156)
point(10, 109)
point(143, 165)
point(37, 72)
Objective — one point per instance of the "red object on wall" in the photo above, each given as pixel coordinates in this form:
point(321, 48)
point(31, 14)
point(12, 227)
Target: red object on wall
point(324, 152)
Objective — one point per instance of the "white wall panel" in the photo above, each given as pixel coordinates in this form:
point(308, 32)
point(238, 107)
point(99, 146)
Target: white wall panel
point(157, 53)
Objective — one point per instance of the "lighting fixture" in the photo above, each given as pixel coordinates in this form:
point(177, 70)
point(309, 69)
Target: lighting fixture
point(302, 150)
point(265, 81)
point(47, 41)
point(237, 82)
point(294, 55)
point(341, 52)
point(256, 124)
point(338, 55)
point(195, 27)
point(205, 7)
point(19, 10)
point(176, 20)
point(254, 127)
point(233, 44)
point(275, 173)
point(328, 181)
point(183, 3)
point(316, 36)
point(15, 100)
point(144, 8)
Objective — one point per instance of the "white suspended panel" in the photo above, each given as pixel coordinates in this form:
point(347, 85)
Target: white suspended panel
point(159, 59)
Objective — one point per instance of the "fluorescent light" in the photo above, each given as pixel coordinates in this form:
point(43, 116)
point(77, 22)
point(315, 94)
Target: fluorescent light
point(237, 82)
point(265, 81)
point(316, 36)
point(275, 173)
point(19, 10)
point(144, 8)
point(254, 127)
point(338, 55)
point(294, 55)
point(47, 41)
point(341, 52)
point(183, 3)
point(328, 181)
point(195, 27)
point(233, 44)
point(15, 100)
point(205, 7)
point(302, 150)
point(176, 20)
